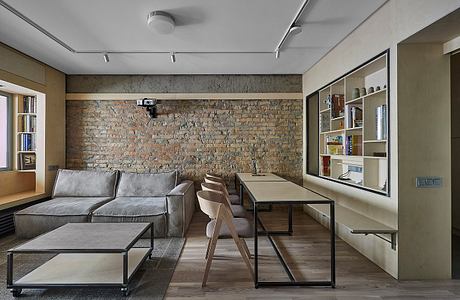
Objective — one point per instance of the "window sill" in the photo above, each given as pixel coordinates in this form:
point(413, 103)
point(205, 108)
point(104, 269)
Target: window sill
point(12, 200)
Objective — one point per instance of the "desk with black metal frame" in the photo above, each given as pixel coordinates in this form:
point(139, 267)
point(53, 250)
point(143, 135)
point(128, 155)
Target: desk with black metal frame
point(286, 193)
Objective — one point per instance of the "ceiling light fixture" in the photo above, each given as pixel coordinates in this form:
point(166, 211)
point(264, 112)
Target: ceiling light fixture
point(173, 57)
point(293, 29)
point(161, 22)
point(106, 57)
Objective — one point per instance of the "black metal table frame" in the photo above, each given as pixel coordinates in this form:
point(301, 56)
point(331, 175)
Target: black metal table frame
point(269, 235)
point(17, 288)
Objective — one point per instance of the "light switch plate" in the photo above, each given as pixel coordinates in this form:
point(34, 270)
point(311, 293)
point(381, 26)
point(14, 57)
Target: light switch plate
point(428, 182)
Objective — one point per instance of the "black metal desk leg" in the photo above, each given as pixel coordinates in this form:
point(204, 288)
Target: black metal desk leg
point(125, 289)
point(256, 250)
point(241, 194)
point(9, 270)
point(290, 219)
point(332, 230)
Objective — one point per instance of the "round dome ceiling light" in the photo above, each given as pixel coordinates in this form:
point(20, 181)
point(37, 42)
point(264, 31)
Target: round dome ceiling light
point(161, 22)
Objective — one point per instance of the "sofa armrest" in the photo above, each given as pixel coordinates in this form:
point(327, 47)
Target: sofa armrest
point(181, 206)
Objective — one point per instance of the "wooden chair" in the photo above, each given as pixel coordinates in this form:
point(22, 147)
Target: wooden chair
point(236, 209)
point(213, 204)
point(221, 179)
point(234, 199)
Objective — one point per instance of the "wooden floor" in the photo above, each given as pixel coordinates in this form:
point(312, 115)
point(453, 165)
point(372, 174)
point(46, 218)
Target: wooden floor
point(308, 254)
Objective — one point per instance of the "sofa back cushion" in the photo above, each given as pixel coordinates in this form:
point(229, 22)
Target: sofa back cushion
point(73, 183)
point(146, 185)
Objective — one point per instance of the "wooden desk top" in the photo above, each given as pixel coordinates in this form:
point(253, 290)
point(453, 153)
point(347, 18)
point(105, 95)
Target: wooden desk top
point(282, 191)
point(261, 177)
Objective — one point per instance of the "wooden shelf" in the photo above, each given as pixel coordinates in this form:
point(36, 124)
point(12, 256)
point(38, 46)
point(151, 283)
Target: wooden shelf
point(325, 110)
point(375, 157)
point(26, 171)
point(375, 93)
point(332, 131)
point(338, 118)
point(23, 114)
point(32, 151)
point(358, 100)
point(8, 201)
point(19, 132)
point(375, 141)
point(354, 128)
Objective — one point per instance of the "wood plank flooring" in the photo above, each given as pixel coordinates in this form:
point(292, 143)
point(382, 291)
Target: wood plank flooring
point(308, 255)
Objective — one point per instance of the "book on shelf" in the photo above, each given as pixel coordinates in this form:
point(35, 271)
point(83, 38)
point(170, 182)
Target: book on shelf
point(354, 144)
point(27, 142)
point(355, 117)
point(334, 145)
point(30, 104)
point(29, 123)
point(27, 161)
point(326, 165)
point(381, 122)
point(337, 105)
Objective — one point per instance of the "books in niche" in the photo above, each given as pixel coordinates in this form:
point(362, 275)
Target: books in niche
point(354, 145)
point(30, 104)
point(27, 142)
point(27, 161)
point(381, 122)
point(29, 123)
point(326, 163)
point(356, 117)
point(337, 105)
point(334, 145)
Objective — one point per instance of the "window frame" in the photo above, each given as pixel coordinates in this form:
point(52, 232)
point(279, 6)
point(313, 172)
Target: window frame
point(9, 137)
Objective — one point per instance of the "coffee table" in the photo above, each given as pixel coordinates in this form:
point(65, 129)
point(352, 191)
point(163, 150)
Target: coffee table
point(87, 255)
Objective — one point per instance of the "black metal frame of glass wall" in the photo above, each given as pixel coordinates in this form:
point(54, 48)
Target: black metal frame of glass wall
point(16, 289)
point(269, 234)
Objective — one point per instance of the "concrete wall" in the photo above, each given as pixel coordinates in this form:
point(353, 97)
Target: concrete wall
point(391, 24)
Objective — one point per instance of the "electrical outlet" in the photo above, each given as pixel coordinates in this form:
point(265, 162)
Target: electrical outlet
point(428, 182)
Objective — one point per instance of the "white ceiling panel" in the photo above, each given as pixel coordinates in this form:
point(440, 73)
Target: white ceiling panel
point(202, 26)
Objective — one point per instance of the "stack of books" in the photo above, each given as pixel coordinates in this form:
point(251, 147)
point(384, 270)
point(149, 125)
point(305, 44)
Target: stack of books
point(30, 104)
point(334, 145)
point(326, 163)
point(354, 145)
point(27, 142)
point(381, 122)
point(29, 123)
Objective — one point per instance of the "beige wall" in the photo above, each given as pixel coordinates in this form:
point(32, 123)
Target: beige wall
point(424, 214)
point(392, 23)
point(25, 71)
point(455, 131)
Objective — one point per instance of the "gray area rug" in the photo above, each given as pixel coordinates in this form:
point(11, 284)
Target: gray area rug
point(150, 282)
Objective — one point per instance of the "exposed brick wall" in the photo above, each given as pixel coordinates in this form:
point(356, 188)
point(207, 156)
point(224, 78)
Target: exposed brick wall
point(192, 136)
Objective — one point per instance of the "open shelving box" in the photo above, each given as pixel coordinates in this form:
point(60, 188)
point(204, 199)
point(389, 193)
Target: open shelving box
point(353, 129)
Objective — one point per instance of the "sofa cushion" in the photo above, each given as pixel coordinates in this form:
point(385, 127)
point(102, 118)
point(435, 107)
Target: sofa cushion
point(130, 207)
point(75, 183)
point(65, 206)
point(46, 216)
point(146, 185)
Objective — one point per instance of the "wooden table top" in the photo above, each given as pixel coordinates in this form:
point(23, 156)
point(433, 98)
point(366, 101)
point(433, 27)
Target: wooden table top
point(281, 191)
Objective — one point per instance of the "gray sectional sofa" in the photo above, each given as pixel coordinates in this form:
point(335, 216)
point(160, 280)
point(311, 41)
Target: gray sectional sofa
point(98, 196)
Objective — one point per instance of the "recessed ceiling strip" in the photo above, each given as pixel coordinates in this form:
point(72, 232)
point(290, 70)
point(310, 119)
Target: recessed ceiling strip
point(36, 26)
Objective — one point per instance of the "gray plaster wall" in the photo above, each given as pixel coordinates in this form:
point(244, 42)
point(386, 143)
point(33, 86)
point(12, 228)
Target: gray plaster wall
point(184, 83)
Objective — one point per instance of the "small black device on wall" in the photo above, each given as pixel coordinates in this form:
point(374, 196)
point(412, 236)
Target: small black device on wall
point(150, 105)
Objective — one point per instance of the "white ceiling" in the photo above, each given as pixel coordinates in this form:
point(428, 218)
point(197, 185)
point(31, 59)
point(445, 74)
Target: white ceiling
point(202, 26)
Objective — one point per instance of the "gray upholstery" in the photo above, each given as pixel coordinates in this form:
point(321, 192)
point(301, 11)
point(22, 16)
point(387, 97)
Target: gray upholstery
point(46, 216)
point(181, 206)
point(134, 210)
point(234, 199)
point(244, 228)
point(239, 211)
point(73, 183)
point(146, 185)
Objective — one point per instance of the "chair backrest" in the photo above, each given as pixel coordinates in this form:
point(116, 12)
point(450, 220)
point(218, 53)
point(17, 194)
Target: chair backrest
point(215, 176)
point(218, 188)
point(214, 181)
point(210, 203)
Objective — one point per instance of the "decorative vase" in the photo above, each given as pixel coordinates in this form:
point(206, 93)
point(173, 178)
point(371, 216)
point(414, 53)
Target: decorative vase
point(355, 93)
point(370, 90)
point(377, 88)
point(363, 91)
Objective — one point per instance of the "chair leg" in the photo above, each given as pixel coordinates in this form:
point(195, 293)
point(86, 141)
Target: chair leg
point(207, 249)
point(212, 248)
point(239, 245)
point(243, 241)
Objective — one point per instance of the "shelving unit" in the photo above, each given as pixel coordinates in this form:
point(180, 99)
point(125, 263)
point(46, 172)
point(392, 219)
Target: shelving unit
point(353, 129)
point(26, 132)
